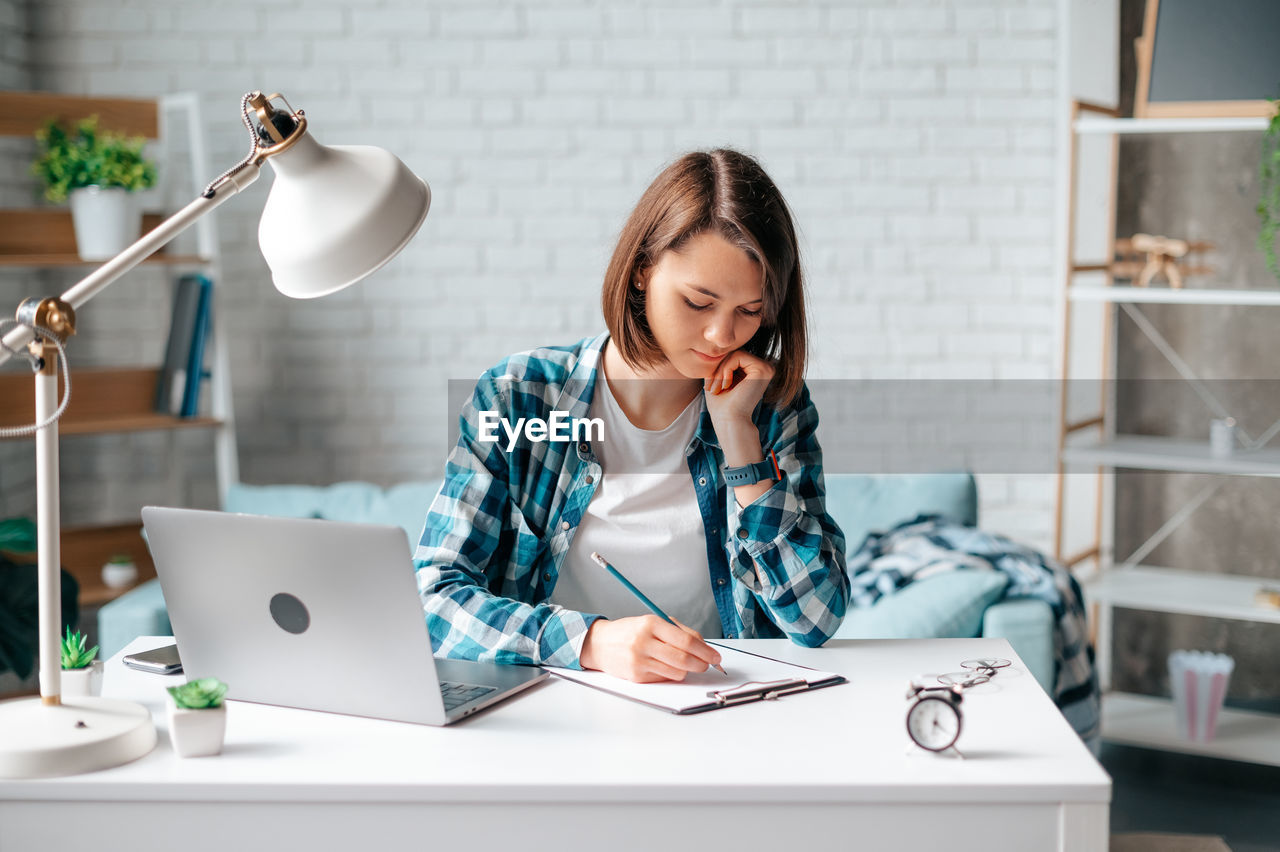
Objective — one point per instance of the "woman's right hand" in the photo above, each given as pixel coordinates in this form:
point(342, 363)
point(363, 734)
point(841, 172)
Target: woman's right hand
point(646, 649)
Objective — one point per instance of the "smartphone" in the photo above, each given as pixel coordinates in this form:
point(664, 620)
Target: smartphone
point(161, 660)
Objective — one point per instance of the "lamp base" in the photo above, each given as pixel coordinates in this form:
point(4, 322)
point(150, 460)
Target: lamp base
point(82, 734)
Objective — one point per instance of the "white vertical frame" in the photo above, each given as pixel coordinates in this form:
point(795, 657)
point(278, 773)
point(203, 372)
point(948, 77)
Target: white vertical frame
point(226, 458)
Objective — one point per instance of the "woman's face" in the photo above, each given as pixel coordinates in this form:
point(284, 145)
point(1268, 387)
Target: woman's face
point(703, 302)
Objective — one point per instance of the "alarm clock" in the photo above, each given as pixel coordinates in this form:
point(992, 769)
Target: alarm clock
point(934, 720)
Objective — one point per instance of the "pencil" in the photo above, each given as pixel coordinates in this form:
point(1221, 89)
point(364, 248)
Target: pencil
point(653, 607)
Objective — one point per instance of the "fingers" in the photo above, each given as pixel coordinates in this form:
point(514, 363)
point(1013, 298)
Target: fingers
point(736, 368)
point(694, 654)
point(645, 649)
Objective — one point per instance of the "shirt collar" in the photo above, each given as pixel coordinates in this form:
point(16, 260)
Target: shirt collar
point(580, 388)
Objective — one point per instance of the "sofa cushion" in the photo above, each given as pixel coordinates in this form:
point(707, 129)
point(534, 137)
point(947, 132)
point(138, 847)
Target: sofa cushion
point(404, 505)
point(864, 503)
point(947, 605)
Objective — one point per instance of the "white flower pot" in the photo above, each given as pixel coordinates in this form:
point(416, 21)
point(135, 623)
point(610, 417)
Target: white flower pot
point(117, 575)
point(197, 733)
point(85, 681)
point(107, 220)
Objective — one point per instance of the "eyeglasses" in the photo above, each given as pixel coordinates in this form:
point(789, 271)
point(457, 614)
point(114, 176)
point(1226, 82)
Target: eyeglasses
point(975, 672)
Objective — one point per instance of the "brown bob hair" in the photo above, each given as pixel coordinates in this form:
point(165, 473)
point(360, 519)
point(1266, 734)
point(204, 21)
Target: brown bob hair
point(728, 193)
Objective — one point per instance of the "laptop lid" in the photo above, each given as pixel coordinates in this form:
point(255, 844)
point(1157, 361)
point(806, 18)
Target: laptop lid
point(321, 615)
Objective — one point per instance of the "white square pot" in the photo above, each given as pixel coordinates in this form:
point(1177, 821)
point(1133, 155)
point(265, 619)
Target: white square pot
point(107, 220)
point(86, 681)
point(197, 733)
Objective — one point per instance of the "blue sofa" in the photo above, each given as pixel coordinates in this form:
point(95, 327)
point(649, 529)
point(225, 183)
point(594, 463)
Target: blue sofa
point(953, 604)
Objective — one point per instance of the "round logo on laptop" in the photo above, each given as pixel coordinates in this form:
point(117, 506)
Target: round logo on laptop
point(290, 613)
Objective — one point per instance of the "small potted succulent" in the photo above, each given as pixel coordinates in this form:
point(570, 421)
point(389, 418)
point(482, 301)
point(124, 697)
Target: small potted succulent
point(81, 672)
point(198, 717)
point(119, 571)
point(97, 171)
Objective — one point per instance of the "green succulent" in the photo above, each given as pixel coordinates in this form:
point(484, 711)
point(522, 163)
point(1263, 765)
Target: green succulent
point(1269, 204)
point(74, 655)
point(89, 157)
point(199, 694)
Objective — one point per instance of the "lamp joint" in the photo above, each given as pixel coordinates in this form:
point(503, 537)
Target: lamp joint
point(50, 314)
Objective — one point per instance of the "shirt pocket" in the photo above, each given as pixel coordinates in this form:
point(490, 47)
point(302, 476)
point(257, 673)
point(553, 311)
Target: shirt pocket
point(527, 554)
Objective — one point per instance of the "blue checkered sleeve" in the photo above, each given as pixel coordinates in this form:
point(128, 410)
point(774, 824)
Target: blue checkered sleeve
point(784, 549)
point(478, 557)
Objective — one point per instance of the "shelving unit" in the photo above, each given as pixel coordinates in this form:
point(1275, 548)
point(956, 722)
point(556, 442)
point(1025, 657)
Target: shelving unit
point(112, 399)
point(1142, 720)
point(1090, 440)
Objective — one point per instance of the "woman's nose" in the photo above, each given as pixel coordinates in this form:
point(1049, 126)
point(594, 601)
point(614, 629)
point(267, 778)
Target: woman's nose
point(720, 332)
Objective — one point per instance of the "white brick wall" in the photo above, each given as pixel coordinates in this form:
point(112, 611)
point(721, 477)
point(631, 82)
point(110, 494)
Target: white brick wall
point(914, 140)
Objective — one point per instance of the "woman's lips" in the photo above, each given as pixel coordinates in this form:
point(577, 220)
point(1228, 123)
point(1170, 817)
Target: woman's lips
point(712, 359)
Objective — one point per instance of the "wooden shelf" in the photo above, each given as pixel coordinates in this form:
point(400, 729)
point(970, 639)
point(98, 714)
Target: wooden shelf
point(1187, 592)
point(1145, 721)
point(1131, 126)
point(45, 237)
point(1142, 452)
point(85, 549)
point(24, 113)
point(102, 401)
point(41, 261)
point(1168, 296)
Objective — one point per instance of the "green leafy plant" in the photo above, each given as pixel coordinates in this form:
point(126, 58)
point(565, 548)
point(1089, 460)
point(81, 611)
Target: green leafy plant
point(1269, 203)
point(74, 654)
point(88, 156)
point(199, 694)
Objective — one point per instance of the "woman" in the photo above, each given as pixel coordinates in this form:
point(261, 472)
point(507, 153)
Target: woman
point(698, 474)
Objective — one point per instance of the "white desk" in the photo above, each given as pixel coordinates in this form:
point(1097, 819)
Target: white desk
point(565, 767)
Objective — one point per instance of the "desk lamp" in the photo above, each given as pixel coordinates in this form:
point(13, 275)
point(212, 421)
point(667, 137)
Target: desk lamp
point(334, 215)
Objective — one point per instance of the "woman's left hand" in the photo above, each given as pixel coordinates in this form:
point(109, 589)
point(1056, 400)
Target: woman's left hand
point(736, 387)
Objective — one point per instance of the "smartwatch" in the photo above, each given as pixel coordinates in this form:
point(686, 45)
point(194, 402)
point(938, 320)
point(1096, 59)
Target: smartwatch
point(750, 474)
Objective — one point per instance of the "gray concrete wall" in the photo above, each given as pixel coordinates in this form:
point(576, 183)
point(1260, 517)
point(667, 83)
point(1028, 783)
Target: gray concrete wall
point(1199, 187)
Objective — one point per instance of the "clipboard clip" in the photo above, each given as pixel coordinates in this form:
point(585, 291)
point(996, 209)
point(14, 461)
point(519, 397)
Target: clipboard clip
point(758, 691)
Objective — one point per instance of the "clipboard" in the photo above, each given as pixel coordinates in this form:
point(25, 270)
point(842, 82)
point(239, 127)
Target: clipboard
point(752, 677)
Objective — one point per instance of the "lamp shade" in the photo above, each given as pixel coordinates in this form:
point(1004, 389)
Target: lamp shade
point(336, 214)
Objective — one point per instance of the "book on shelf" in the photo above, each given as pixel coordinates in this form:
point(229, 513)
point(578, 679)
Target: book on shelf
point(196, 372)
point(177, 387)
point(172, 381)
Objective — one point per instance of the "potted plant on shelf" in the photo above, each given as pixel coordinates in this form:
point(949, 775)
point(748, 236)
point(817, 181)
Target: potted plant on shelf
point(119, 571)
point(81, 672)
point(98, 171)
point(198, 717)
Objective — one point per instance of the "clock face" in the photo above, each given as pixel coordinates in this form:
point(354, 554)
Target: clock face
point(933, 723)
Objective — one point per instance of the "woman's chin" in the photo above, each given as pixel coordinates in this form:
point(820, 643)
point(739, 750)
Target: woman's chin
point(701, 372)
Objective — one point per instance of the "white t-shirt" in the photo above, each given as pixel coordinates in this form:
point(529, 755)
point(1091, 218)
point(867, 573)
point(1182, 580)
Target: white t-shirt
point(644, 519)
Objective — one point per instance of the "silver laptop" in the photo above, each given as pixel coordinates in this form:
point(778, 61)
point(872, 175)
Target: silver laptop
point(320, 615)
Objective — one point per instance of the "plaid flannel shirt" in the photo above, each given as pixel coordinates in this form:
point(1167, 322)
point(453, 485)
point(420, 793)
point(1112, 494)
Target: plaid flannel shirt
point(497, 533)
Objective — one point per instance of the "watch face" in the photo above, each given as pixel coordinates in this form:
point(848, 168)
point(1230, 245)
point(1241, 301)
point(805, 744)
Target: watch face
point(933, 723)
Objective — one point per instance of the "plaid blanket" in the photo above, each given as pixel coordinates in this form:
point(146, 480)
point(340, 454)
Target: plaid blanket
point(929, 544)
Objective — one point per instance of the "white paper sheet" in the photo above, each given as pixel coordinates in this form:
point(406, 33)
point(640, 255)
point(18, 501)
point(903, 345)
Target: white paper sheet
point(742, 667)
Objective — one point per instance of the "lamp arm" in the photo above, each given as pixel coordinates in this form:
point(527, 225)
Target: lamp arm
point(151, 242)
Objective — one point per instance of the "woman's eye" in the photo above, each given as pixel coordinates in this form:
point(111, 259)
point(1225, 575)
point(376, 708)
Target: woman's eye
point(753, 314)
point(697, 307)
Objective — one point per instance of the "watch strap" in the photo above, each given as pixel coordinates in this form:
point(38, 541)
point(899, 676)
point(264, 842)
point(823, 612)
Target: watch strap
point(750, 474)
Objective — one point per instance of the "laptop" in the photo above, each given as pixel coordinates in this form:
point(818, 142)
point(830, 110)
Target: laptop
point(320, 615)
